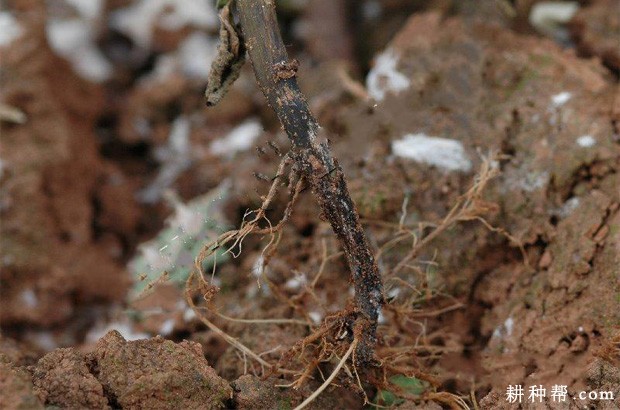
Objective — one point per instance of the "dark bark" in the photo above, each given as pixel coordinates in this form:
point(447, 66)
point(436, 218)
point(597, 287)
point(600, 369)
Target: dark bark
point(276, 77)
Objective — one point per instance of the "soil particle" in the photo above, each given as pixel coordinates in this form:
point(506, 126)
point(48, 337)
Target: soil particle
point(494, 90)
point(157, 374)
point(252, 392)
point(596, 29)
point(62, 378)
point(49, 252)
point(563, 311)
point(270, 341)
point(16, 390)
point(19, 354)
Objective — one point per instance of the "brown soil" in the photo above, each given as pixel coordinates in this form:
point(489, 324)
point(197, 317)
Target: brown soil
point(523, 288)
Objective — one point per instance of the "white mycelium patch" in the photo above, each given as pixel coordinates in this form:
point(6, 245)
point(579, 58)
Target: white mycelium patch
point(10, 30)
point(384, 77)
point(586, 141)
point(240, 138)
point(444, 153)
point(560, 99)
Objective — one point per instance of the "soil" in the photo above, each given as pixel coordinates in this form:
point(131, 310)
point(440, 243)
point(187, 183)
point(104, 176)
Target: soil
point(522, 287)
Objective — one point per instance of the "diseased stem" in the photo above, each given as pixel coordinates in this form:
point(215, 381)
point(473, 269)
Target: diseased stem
point(276, 78)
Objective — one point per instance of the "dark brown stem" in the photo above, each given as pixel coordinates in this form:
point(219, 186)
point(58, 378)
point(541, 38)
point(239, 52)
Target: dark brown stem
point(276, 78)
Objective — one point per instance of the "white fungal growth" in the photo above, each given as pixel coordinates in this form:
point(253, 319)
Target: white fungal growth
point(139, 19)
point(195, 55)
point(258, 267)
point(316, 317)
point(560, 99)
point(297, 282)
point(10, 30)
point(192, 58)
point(167, 327)
point(509, 325)
point(446, 154)
point(189, 314)
point(393, 293)
point(29, 298)
point(384, 77)
point(569, 206)
point(534, 181)
point(381, 319)
point(42, 339)
point(240, 138)
point(74, 40)
point(586, 141)
point(504, 330)
point(548, 17)
point(175, 158)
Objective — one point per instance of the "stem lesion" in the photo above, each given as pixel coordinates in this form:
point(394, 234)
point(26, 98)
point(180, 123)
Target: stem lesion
point(276, 76)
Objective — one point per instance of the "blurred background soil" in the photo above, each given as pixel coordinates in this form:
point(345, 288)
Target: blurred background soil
point(109, 158)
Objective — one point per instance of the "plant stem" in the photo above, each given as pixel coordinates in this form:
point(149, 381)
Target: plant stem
point(276, 78)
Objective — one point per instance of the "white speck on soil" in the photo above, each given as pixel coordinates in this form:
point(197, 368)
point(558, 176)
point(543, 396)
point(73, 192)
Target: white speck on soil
point(297, 282)
point(444, 153)
point(196, 54)
point(29, 298)
point(192, 58)
point(10, 30)
point(560, 99)
point(257, 268)
point(381, 319)
point(372, 9)
point(508, 325)
point(316, 317)
point(167, 327)
point(393, 293)
point(43, 339)
point(74, 40)
point(240, 138)
point(533, 181)
point(138, 20)
point(189, 314)
point(175, 158)
point(569, 206)
point(586, 141)
point(548, 18)
point(384, 77)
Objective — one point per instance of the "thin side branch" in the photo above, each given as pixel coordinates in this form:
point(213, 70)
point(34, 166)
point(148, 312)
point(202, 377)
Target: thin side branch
point(331, 377)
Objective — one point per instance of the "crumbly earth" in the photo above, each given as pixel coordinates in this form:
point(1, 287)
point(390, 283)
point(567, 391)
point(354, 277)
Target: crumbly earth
point(62, 378)
point(16, 389)
point(143, 374)
point(596, 30)
point(523, 289)
point(157, 374)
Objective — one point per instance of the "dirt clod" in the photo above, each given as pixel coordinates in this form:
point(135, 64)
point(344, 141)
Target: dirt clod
point(16, 390)
point(157, 374)
point(62, 378)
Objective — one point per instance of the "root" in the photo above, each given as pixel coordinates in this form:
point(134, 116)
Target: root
point(251, 227)
point(264, 321)
point(470, 206)
point(231, 340)
point(331, 377)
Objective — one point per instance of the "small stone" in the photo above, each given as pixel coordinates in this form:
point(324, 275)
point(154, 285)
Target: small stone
point(545, 260)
